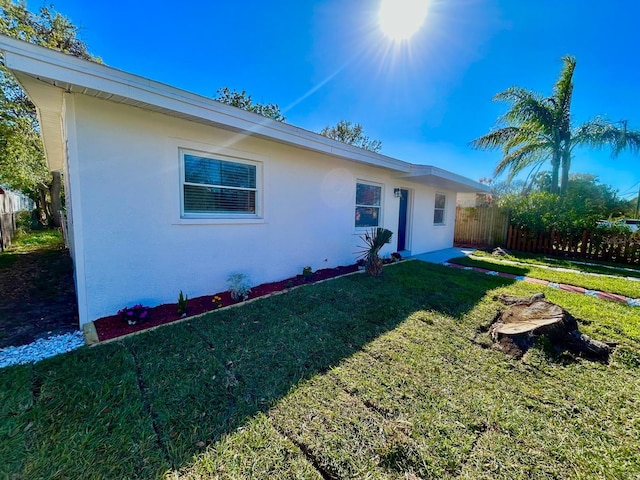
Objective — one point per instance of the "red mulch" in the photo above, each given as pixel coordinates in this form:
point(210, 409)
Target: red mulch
point(114, 326)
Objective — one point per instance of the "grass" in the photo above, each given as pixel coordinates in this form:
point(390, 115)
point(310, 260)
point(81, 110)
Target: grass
point(614, 283)
point(353, 378)
point(34, 241)
point(579, 265)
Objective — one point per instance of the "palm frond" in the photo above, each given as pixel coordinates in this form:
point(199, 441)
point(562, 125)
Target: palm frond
point(600, 132)
point(562, 95)
point(526, 106)
point(563, 89)
point(528, 155)
point(495, 138)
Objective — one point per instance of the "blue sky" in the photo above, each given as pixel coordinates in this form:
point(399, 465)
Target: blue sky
point(425, 99)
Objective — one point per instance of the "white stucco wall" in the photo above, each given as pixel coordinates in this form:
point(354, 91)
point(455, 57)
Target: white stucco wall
point(131, 246)
point(466, 200)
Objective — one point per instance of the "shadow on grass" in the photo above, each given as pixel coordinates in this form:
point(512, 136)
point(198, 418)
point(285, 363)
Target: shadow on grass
point(151, 402)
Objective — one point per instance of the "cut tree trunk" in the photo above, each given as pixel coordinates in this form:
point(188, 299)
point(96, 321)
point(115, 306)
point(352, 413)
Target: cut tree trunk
point(527, 318)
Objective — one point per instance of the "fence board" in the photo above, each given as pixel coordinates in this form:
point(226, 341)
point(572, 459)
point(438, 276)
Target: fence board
point(7, 220)
point(590, 245)
point(480, 227)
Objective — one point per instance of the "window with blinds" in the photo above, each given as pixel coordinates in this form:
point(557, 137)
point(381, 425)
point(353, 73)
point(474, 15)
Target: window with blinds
point(218, 187)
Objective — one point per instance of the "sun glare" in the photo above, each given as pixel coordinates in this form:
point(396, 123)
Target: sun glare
point(401, 19)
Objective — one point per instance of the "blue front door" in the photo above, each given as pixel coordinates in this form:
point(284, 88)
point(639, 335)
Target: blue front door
point(402, 220)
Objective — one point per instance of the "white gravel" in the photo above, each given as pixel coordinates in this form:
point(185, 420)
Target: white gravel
point(41, 349)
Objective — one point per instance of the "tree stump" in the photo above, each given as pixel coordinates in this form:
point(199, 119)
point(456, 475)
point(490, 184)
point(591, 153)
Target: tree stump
point(527, 318)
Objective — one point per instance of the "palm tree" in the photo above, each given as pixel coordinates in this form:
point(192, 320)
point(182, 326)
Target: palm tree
point(538, 129)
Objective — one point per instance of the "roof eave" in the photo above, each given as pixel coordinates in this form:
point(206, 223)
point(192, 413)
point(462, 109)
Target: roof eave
point(40, 70)
point(76, 75)
point(444, 179)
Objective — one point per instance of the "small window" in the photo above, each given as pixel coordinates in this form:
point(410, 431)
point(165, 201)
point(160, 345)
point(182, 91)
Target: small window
point(368, 203)
point(218, 187)
point(438, 211)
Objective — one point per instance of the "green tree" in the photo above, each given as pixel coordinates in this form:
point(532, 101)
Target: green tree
point(243, 100)
point(585, 202)
point(537, 129)
point(22, 161)
point(347, 132)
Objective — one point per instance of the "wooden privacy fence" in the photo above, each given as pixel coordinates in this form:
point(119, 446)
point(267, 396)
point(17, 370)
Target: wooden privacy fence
point(590, 245)
point(480, 227)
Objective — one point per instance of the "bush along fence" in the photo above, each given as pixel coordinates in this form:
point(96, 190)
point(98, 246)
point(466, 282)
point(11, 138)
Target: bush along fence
point(591, 245)
point(481, 227)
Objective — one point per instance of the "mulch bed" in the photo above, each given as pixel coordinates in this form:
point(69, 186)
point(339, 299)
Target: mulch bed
point(113, 326)
point(37, 297)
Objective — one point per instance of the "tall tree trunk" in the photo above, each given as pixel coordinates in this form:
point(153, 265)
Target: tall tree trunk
point(566, 165)
point(42, 206)
point(555, 169)
point(56, 201)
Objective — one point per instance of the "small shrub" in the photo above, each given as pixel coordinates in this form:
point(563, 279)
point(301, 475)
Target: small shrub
point(307, 272)
point(26, 222)
point(239, 286)
point(182, 304)
point(134, 315)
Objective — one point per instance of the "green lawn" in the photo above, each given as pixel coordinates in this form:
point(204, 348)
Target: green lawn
point(578, 264)
point(353, 378)
point(613, 283)
point(41, 241)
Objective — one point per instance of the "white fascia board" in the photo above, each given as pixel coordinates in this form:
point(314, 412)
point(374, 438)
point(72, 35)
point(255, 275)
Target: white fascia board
point(75, 74)
point(438, 177)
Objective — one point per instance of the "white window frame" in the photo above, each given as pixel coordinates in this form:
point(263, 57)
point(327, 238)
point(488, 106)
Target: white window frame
point(225, 158)
point(379, 207)
point(443, 209)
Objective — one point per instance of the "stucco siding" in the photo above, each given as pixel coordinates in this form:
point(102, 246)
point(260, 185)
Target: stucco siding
point(137, 248)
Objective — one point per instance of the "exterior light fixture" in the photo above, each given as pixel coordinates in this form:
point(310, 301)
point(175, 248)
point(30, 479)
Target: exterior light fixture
point(397, 192)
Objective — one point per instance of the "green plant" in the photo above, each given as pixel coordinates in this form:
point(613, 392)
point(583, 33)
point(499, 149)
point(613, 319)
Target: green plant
point(25, 222)
point(182, 304)
point(239, 286)
point(307, 272)
point(374, 240)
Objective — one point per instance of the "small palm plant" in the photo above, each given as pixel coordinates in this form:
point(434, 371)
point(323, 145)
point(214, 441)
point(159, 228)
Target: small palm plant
point(239, 286)
point(374, 240)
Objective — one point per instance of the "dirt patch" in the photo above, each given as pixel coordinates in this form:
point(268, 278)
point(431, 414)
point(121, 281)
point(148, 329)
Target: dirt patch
point(113, 326)
point(37, 296)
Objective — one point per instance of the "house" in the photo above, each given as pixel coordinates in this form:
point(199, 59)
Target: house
point(168, 191)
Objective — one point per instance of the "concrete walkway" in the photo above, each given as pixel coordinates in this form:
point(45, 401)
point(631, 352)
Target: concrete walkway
point(441, 256)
